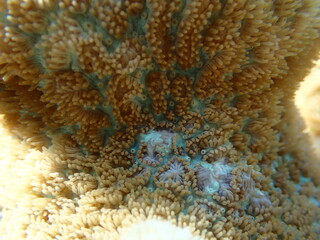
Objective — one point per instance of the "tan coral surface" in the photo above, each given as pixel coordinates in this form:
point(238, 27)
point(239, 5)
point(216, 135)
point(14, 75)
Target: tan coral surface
point(117, 115)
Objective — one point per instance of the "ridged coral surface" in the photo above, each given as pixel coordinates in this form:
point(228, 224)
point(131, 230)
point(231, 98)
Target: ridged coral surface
point(120, 116)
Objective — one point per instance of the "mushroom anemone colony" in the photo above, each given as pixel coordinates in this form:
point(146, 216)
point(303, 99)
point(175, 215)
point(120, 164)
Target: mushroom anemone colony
point(156, 119)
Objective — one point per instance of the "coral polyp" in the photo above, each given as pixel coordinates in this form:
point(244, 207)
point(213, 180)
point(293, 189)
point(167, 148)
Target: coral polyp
point(117, 115)
point(174, 173)
point(214, 177)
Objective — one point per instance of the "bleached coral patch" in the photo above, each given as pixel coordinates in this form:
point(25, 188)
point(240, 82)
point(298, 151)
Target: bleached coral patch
point(160, 142)
point(157, 230)
point(215, 177)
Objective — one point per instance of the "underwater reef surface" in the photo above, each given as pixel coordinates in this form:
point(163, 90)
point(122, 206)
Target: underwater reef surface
point(307, 99)
point(146, 119)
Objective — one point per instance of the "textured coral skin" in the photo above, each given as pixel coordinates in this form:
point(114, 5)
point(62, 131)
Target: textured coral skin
point(178, 112)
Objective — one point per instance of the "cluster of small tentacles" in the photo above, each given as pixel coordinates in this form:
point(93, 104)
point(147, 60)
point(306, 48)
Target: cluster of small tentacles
point(174, 110)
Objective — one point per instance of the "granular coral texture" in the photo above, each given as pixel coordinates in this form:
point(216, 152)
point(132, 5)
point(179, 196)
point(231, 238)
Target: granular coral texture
point(121, 115)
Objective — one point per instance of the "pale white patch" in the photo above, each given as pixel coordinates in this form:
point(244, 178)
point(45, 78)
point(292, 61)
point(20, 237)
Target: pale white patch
point(156, 230)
